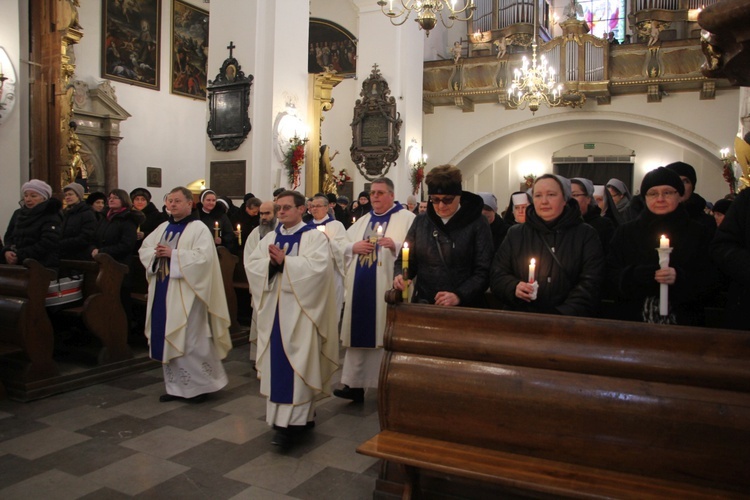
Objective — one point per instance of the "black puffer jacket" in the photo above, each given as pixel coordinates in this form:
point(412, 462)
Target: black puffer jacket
point(78, 228)
point(633, 260)
point(604, 226)
point(117, 236)
point(153, 218)
point(572, 290)
point(34, 233)
point(219, 214)
point(466, 246)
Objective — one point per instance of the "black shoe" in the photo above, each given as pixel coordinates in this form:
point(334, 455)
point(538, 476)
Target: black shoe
point(355, 394)
point(282, 438)
point(197, 399)
point(166, 398)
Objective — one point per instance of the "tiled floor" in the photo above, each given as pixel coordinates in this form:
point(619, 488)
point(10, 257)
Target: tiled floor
point(116, 440)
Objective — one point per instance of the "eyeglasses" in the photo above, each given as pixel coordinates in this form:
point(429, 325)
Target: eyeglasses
point(446, 200)
point(652, 195)
point(379, 193)
point(579, 195)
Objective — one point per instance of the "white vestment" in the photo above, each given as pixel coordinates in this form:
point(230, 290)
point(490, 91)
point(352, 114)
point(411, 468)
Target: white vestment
point(196, 335)
point(252, 242)
point(339, 241)
point(362, 365)
point(304, 294)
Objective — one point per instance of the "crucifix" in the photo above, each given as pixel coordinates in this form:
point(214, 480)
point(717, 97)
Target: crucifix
point(231, 47)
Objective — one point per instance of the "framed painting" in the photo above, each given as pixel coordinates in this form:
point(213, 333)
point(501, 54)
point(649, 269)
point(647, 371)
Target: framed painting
point(131, 41)
point(189, 50)
point(331, 47)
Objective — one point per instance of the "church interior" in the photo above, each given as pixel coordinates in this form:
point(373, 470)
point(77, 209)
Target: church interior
point(217, 95)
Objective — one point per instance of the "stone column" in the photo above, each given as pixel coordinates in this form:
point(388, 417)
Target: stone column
point(110, 163)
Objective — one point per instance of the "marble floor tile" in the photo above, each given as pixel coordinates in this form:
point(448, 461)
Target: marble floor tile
point(188, 417)
point(275, 472)
point(135, 474)
point(14, 469)
point(42, 442)
point(105, 494)
point(16, 426)
point(335, 484)
point(84, 457)
point(256, 493)
point(237, 429)
point(220, 457)
point(251, 405)
point(119, 429)
point(78, 417)
point(341, 454)
point(50, 484)
point(165, 442)
point(195, 484)
point(147, 407)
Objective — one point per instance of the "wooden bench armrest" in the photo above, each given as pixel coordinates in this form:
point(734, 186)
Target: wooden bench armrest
point(523, 472)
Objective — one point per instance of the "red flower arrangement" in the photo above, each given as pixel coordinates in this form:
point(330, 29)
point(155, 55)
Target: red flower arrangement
point(294, 159)
point(417, 176)
point(342, 178)
point(728, 173)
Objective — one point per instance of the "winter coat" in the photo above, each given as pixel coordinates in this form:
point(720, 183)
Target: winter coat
point(633, 260)
point(466, 246)
point(78, 227)
point(34, 233)
point(696, 209)
point(498, 228)
point(571, 290)
point(361, 210)
point(247, 223)
point(730, 251)
point(226, 231)
point(604, 226)
point(153, 218)
point(117, 236)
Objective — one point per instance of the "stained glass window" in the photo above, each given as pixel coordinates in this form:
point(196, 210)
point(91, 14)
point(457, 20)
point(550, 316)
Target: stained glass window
point(604, 16)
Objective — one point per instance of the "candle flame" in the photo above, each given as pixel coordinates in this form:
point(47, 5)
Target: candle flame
point(406, 245)
point(533, 262)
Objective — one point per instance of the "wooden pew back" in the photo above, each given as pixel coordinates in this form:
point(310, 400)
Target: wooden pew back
point(667, 402)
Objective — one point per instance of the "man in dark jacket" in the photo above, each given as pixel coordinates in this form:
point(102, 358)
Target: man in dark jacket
point(694, 203)
point(451, 245)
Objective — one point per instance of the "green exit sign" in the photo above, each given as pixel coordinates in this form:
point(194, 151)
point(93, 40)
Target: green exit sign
point(589, 146)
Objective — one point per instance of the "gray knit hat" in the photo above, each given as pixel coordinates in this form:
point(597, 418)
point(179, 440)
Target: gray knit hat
point(38, 186)
point(76, 188)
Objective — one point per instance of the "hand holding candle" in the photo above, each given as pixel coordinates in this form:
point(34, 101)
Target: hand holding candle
point(322, 228)
point(663, 242)
point(239, 234)
point(532, 269)
point(664, 250)
point(216, 229)
point(405, 271)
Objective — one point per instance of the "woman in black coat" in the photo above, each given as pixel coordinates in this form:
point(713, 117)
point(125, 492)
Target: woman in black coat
point(583, 191)
point(569, 264)
point(363, 207)
point(141, 198)
point(116, 234)
point(633, 263)
point(34, 229)
point(214, 215)
point(516, 211)
point(78, 226)
point(451, 245)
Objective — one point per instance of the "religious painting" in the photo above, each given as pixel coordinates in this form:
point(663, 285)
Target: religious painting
point(331, 48)
point(189, 50)
point(153, 177)
point(131, 41)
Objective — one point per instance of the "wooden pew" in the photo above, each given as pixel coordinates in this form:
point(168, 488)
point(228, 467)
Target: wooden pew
point(484, 403)
point(102, 311)
point(26, 336)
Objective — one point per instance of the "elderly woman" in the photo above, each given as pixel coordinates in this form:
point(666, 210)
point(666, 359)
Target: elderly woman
point(582, 190)
point(34, 229)
point(451, 245)
point(633, 262)
point(214, 216)
point(569, 264)
point(78, 226)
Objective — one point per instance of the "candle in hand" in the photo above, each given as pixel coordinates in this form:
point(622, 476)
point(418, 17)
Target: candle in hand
point(216, 229)
point(322, 228)
point(532, 268)
point(663, 242)
point(380, 231)
point(405, 256)
point(239, 234)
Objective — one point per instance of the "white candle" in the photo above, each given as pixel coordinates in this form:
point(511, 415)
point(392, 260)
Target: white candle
point(239, 234)
point(322, 228)
point(532, 268)
point(663, 242)
point(380, 231)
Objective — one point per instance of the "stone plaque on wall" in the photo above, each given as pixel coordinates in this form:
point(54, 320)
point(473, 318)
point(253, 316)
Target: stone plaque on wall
point(227, 178)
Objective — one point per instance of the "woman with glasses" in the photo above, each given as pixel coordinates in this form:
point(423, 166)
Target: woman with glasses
point(451, 245)
point(568, 268)
point(633, 267)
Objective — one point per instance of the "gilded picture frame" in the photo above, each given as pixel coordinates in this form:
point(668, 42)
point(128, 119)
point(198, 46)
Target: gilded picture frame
point(189, 44)
point(131, 42)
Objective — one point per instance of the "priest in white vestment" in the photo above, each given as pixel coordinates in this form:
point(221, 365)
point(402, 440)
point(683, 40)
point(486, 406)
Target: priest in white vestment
point(324, 221)
point(375, 240)
point(290, 274)
point(187, 319)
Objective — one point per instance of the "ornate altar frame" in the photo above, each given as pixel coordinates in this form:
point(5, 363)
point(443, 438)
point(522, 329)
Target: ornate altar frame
point(228, 102)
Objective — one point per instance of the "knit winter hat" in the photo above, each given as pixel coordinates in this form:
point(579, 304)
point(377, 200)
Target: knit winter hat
point(489, 200)
point(662, 176)
point(96, 196)
point(141, 192)
point(76, 188)
point(207, 192)
point(38, 186)
point(722, 206)
point(683, 169)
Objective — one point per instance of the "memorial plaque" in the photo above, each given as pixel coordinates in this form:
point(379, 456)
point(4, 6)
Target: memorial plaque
point(375, 131)
point(227, 178)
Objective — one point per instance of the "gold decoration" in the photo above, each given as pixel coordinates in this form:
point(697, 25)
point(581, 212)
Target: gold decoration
point(742, 152)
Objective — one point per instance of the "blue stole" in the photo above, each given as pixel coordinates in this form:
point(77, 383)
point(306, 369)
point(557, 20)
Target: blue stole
point(364, 294)
point(321, 223)
point(282, 373)
point(170, 237)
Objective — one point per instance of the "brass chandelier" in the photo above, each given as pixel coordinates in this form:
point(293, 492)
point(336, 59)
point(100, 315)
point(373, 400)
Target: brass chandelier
point(428, 12)
point(534, 84)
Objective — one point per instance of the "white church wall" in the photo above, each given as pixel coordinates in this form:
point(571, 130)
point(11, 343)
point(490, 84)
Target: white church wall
point(14, 173)
point(165, 130)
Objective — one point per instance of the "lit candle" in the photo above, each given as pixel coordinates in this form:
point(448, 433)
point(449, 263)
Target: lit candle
point(239, 234)
point(663, 242)
point(380, 231)
point(405, 256)
point(405, 271)
point(322, 228)
point(216, 229)
point(532, 268)
point(354, 219)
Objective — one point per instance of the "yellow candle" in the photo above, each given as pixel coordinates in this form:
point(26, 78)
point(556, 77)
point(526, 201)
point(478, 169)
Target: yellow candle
point(663, 242)
point(239, 234)
point(405, 256)
point(532, 268)
point(216, 229)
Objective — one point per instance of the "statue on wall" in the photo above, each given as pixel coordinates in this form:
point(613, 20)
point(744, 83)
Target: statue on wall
point(326, 170)
point(573, 10)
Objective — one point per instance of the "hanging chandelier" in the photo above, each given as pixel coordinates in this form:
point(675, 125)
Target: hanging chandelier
point(428, 12)
point(534, 84)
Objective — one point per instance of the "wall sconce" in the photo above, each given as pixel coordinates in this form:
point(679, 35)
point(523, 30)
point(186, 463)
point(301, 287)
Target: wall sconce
point(7, 85)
